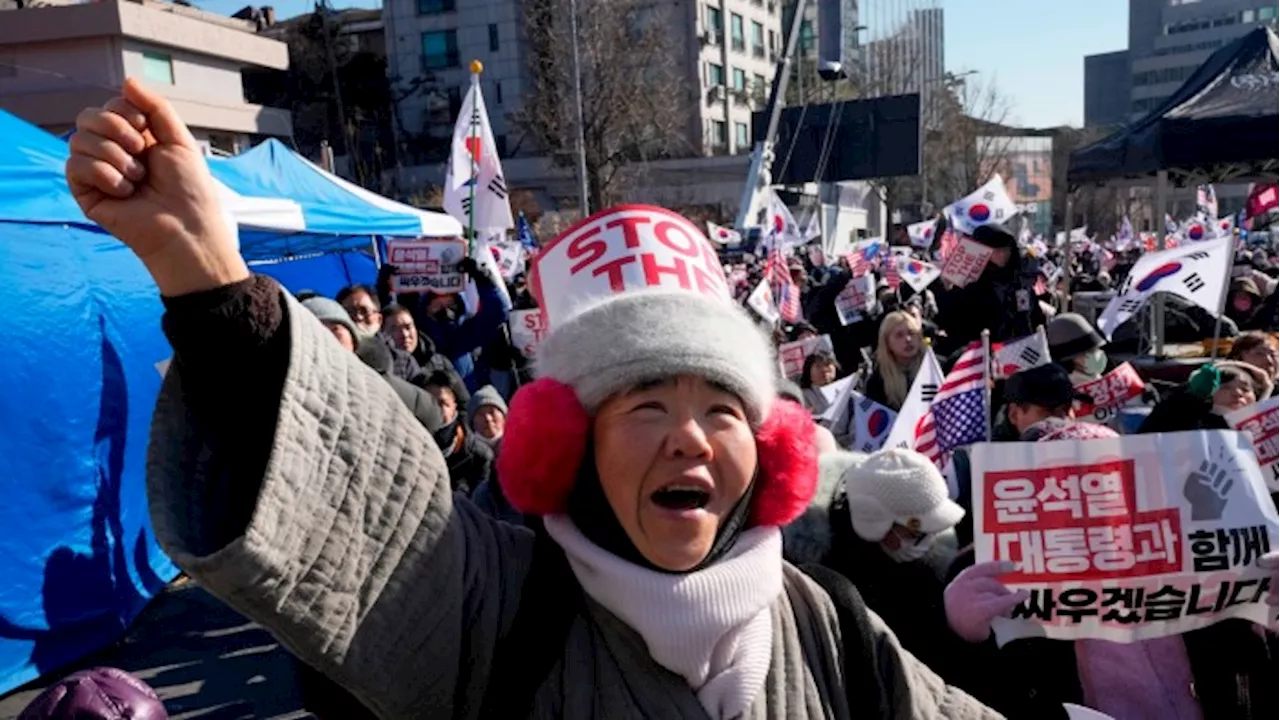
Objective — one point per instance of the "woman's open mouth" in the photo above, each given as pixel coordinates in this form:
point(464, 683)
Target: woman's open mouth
point(682, 497)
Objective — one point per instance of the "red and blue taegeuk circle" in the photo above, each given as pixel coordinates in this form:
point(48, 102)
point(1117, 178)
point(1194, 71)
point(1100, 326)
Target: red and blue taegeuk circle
point(877, 422)
point(1195, 232)
point(1155, 276)
point(979, 212)
point(914, 267)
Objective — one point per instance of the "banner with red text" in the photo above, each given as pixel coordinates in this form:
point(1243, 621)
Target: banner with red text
point(966, 262)
point(1117, 389)
point(424, 265)
point(857, 298)
point(1125, 539)
point(791, 356)
point(1258, 423)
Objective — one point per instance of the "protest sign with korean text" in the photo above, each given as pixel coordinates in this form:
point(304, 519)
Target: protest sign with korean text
point(1258, 423)
point(427, 265)
point(966, 262)
point(527, 330)
point(625, 249)
point(791, 356)
point(1117, 389)
point(857, 298)
point(1125, 539)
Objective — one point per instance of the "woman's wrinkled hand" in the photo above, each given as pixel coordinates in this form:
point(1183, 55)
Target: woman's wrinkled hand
point(976, 597)
point(136, 170)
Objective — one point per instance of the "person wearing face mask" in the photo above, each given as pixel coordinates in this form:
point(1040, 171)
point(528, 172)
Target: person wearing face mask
point(1077, 346)
point(470, 459)
point(1217, 388)
point(885, 530)
point(1259, 350)
point(287, 479)
point(1001, 300)
point(1244, 304)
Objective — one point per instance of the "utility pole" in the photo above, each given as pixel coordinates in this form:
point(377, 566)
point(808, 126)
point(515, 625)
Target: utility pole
point(322, 7)
point(584, 198)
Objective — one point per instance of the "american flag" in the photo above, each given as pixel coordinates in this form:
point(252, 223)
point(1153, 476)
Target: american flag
point(958, 413)
point(862, 259)
point(783, 287)
point(890, 267)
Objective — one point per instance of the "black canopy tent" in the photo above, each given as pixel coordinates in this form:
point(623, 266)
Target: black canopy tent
point(1220, 125)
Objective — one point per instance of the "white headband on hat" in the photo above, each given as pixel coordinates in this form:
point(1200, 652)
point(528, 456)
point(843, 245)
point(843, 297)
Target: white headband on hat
point(637, 293)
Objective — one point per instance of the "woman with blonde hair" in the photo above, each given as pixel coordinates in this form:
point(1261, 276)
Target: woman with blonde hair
point(899, 350)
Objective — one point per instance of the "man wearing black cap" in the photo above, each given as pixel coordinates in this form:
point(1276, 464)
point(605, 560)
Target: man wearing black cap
point(1039, 403)
point(1002, 299)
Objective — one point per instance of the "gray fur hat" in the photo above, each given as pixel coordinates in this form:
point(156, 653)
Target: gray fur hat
point(329, 311)
point(647, 335)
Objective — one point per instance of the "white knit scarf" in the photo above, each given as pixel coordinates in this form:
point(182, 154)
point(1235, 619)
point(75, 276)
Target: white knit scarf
point(711, 626)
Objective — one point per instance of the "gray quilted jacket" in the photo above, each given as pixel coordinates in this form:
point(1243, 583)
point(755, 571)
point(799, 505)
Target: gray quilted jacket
point(355, 554)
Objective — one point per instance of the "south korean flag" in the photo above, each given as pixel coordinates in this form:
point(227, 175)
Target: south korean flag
point(988, 205)
point(1196, 272)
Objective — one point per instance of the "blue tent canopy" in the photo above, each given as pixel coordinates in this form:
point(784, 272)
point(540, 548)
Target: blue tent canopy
point(330, 205)
point(33, 186)
point(82, 343)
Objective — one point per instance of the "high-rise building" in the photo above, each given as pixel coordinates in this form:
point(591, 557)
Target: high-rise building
point(1106, 88)
point(1168, 40)
point(430, 44)
point(903, 51)
point(739, 42)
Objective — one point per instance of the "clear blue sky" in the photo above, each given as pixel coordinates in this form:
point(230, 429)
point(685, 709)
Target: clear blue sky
point(1032, 49)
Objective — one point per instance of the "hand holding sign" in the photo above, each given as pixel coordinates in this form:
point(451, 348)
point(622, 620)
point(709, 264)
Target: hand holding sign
point(976, 597)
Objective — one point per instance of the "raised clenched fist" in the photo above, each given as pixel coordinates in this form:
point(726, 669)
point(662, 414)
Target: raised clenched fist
point(136, 170)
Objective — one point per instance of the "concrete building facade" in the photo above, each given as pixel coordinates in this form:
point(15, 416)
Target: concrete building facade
point(1106, 88)
point(58, 59)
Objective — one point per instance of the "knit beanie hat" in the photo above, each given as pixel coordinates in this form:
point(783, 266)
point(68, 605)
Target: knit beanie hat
point(994, 236)
point(487, 396)
point(1070, 334)
point(329, 311)
point(898, 486)
point(635, 294)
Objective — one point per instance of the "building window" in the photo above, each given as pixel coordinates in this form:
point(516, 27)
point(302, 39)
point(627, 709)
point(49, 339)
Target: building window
point(737, 33)
point(715, 21)
point(739, 79)
point(715, 75)
point(806, 36)
point(497, 93)
point(435, 7)
point(439, 49)
point(493, 37)
point(719, 138)
point(157, 66)
point(757, 39)
point(773, 41)
point(1267, 13)
point(742, 136)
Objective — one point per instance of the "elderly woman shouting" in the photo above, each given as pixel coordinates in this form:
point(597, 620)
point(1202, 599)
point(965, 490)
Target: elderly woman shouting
point(288, 480)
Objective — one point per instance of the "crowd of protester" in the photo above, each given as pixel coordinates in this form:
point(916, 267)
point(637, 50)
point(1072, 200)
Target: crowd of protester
point(512, 569)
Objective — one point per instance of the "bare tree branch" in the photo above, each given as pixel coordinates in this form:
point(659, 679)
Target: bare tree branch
point(635, 99)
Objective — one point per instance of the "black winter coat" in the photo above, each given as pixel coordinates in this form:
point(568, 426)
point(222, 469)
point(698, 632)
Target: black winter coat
point(1002, 300)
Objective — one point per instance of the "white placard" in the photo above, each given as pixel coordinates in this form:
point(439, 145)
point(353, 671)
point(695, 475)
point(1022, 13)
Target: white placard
point(791, 356)
point(527, 330)
point(1125, 539)
point(966, 262)
point(429, 264)
point(857, 297)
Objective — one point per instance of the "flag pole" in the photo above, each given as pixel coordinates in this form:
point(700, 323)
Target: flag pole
point(476, 68)
point(986, 380)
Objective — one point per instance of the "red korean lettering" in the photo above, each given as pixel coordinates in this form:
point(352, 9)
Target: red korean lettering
point(588, 245)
